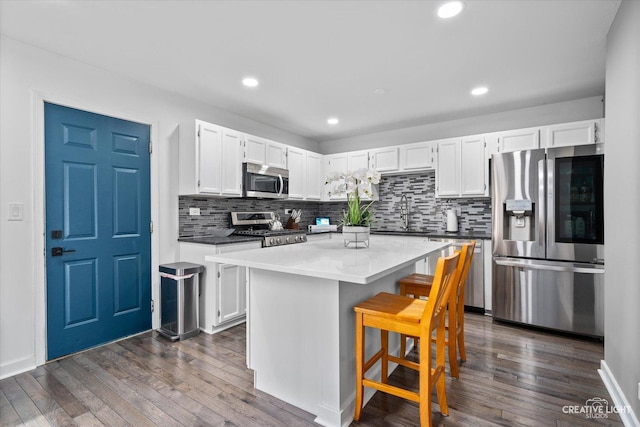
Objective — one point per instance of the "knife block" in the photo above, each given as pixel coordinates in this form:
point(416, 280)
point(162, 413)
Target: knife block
point(291, 224)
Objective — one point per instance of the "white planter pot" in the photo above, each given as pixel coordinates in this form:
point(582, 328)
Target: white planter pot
point(357, 236)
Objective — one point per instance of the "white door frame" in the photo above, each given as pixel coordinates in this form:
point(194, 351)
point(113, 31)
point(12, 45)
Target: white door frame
point(38, 202)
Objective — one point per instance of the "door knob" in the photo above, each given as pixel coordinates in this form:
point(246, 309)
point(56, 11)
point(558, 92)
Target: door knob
point(58, 251)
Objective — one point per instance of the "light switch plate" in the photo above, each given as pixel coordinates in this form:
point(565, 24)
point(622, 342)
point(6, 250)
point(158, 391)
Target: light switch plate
point(194, 211)
point(16, 211)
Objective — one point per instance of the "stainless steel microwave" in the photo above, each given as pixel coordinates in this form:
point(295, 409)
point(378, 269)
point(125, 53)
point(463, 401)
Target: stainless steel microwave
point(264, 181)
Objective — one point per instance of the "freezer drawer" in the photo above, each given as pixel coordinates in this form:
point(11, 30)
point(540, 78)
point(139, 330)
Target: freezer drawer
point(563, 296)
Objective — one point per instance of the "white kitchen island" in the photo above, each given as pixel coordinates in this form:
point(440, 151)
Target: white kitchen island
point(300, 320)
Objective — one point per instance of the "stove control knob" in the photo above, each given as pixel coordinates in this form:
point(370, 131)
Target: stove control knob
point(278, 240)
point(288, 239)
point(303, 238)
point(297, 238)
point(271, 241)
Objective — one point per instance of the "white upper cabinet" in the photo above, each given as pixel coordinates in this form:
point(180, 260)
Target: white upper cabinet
point(448, 168)
point(519, 139)
point(574, 133)
point(473, 174)
point(264, 151)
point(385, 160)
point(419, 156)
point(357, 160)
point(210, 160)
point(461, 167)
point(314, 177)
point(305, 174)
point(334, 163)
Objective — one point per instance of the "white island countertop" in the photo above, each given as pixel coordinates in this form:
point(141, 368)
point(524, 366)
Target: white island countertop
point(329, 259)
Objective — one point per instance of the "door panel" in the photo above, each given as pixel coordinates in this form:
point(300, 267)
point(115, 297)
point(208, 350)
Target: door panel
point(97, 217)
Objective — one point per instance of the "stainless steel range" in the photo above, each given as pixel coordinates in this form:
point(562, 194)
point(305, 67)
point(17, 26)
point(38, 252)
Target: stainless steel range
point(261, 224)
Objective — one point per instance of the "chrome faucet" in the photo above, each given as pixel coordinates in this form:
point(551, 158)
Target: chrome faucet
point(404, 212)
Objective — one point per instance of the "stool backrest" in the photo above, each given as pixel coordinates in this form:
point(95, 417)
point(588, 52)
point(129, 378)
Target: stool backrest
point(444, 281)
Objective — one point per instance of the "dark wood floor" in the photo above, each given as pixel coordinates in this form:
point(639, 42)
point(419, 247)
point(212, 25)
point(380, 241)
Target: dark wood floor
point(513, 376)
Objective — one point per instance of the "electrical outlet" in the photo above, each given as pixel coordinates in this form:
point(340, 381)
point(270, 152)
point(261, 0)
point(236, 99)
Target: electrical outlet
point(287, 211)
point(194, 211)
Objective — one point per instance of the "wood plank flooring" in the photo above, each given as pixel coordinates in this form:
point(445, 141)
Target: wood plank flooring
point(513, 377)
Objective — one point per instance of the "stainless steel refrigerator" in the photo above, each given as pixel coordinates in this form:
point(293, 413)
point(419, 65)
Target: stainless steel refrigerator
point(548, 238)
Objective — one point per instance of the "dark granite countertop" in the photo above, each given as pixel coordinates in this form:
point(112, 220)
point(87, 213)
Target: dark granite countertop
point(217, 240)
point(437, 234)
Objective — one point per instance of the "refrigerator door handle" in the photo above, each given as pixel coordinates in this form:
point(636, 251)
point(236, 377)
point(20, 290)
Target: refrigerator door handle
point(553, 266)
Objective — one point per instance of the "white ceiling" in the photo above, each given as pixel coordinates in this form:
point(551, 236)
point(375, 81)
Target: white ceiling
point(316, 59)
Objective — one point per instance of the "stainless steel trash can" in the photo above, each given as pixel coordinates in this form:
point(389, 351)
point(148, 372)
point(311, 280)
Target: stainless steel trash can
point(179, 305)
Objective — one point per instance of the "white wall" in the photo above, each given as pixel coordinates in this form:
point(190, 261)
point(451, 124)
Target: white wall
point(562, 112)
point(27, 76)
point(622, 204)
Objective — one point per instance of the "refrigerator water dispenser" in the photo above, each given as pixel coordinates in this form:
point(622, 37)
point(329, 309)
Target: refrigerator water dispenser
point(519, 220)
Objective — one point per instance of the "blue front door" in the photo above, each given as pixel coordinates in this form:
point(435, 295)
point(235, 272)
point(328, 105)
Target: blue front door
point(98, 239)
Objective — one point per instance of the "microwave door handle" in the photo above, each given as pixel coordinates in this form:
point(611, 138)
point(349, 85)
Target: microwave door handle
point(281, 185)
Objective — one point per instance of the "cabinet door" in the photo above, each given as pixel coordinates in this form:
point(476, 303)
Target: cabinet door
point(276, 155)
point(520, 139)
point(231, 287)
point(335, 163)
point(472, 167)
point(297, 173)
point(358, 160)
point(416, 157)
point(314, 179)
point(231, 166)
point(255, 149)
point(209, 161)
point(576, 133)
point(448, 169)
point(385, 160)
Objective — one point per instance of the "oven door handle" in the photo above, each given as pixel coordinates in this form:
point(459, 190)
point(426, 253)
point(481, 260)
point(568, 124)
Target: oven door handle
point(567, 267)
point(281, 185)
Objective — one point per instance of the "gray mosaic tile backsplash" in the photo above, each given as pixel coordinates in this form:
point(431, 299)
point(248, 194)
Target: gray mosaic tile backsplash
point(426, 213)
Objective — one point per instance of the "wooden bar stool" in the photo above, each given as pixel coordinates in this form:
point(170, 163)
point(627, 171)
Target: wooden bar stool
point(415, 317)
point(419, 285)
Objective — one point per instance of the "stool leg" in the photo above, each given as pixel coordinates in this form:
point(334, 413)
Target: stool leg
point(384, 340)
point(440, 381)
point(460, 335)
point(451, 345)
point(403, 346)
point(359, 365)
point(425, 383)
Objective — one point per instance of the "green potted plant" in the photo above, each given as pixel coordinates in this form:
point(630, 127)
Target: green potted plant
point(357, 219)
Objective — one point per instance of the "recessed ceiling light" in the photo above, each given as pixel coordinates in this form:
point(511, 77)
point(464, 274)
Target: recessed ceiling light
point(381, 91)
point(250, 82)
point(479, 91)
point(333, 121)
point(450, 9)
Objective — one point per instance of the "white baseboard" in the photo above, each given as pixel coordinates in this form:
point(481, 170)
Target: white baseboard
point(17, 367)
point(629, 418)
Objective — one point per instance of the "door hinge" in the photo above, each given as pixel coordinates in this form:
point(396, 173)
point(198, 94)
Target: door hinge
point(198, 184)
point(151, 227)
point(150, 147)
point(218, 314)
point(153, 306)
point(218, 274)
point(198, 132)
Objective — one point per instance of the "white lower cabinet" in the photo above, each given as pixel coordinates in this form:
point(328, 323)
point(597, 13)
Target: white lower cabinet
point(223, 301)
